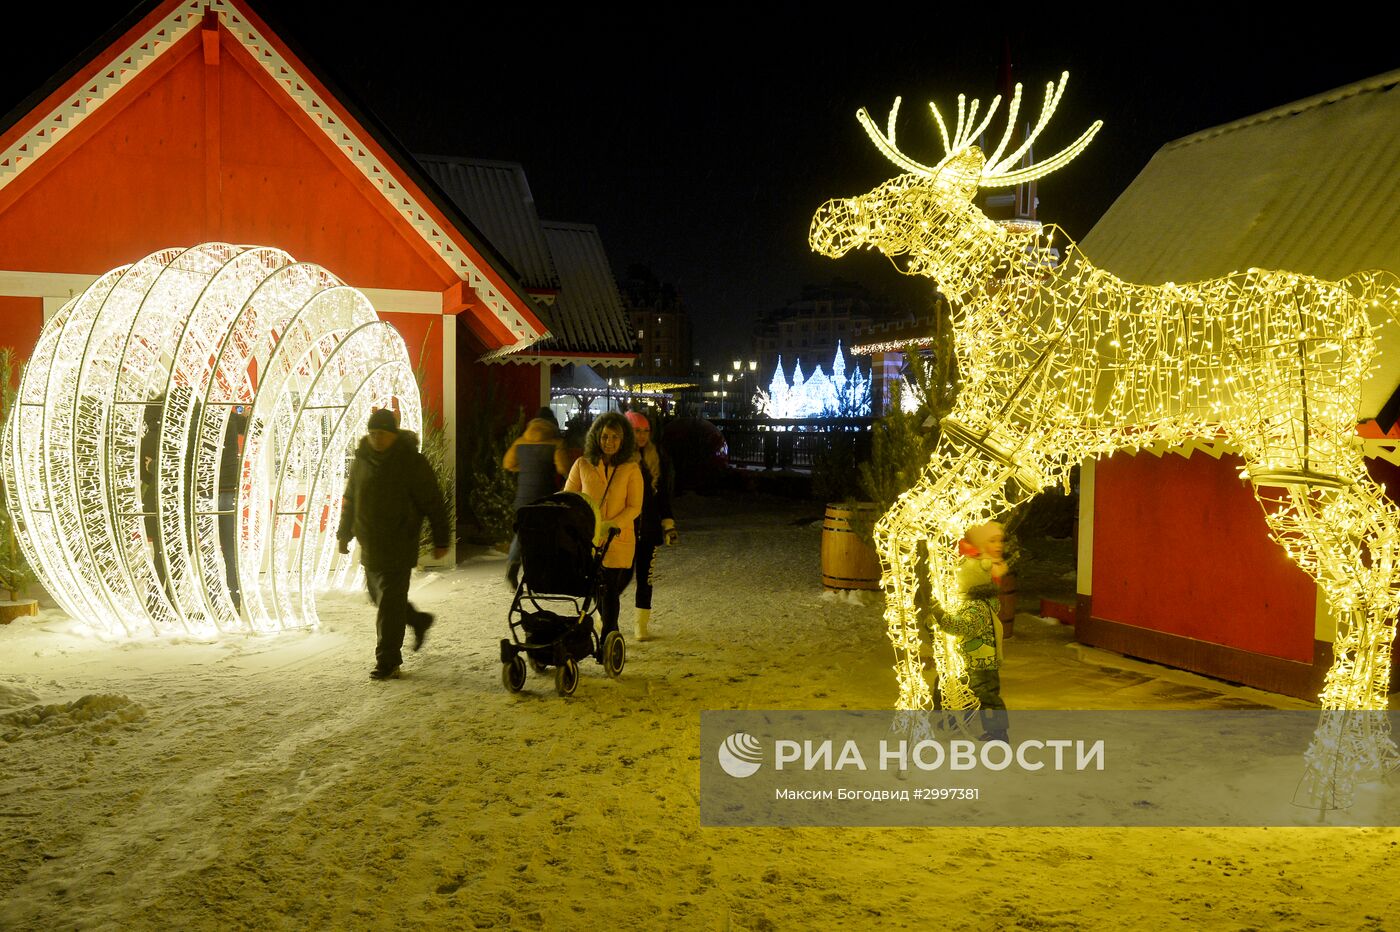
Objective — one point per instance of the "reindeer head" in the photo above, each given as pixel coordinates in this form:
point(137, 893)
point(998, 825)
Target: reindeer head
point(917, 207)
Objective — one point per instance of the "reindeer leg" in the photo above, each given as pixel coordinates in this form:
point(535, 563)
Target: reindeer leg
point(1347, 538)
point(897, 540)
point(963, 484)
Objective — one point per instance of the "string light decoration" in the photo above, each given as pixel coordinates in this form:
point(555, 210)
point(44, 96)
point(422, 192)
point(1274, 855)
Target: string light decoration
point(1062, 361)
point(156, 364)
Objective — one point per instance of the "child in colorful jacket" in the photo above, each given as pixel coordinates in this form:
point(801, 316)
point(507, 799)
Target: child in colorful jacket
point(973, 620)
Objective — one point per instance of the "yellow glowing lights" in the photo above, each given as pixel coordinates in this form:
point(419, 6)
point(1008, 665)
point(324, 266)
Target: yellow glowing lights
point(1062, 361)
point(148, 504)
point(998, 171)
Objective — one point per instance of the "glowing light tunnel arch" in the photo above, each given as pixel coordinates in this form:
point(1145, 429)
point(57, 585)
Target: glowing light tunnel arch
point(184, 343)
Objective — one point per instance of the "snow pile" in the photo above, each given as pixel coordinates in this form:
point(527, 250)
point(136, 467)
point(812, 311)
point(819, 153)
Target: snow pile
point(92, 714)
point(11, 696)
point(256, 783)
point(856, 597)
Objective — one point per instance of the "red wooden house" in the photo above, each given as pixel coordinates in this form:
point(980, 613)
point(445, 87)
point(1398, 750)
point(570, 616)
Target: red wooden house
point(1175, 561)
point(192, 121)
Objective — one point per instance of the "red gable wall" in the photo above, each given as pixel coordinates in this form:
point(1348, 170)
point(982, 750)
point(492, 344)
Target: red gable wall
point(192, 152)
point(1158, 521)
point(143, 181)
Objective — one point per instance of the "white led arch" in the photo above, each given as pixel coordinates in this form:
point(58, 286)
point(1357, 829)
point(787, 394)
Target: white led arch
point(180, 343)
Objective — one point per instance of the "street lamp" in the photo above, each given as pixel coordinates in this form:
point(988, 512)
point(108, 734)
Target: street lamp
point(739, 367)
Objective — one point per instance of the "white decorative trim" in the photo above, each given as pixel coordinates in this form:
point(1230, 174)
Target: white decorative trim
point(1382, 448)
point(150, 45)
point(90, 95)
point(400, 301)
point(513, 356)
point(43, 284)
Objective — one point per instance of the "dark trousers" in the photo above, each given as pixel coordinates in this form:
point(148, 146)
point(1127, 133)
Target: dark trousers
point(986, 686)
point(611, 582)
point(645, 553)
point(388, 589)
point(157, 550)
point(228, 541)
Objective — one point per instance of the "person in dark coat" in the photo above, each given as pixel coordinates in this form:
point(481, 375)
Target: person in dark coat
point(230, 461)
point(538, 457)
point(657, 525)
point(391, 489)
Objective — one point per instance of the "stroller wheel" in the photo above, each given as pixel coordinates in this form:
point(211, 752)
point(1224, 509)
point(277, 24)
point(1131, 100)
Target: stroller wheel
point(538, 667)
point(566, 677)
point(513, 674)
point(614, 653)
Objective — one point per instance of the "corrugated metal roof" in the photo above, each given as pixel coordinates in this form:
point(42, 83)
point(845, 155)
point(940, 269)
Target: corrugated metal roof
point(588, 314)
point(1312, 187)
point(496, 197)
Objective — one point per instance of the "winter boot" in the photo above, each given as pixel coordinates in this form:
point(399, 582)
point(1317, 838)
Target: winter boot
point(643, 617)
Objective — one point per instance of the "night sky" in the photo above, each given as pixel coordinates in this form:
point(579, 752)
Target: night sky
point(700, 140)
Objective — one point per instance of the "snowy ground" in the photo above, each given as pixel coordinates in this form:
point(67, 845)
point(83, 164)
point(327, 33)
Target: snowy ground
point(270, 784)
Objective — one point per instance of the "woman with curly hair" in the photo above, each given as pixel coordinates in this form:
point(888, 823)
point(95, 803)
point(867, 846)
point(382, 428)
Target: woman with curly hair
point(608, 473)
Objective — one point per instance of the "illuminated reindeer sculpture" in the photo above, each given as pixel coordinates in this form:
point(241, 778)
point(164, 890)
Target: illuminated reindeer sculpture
point(1063, 361)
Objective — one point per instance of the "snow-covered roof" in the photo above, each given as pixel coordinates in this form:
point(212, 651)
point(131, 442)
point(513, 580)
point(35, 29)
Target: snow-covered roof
point(1312, 187)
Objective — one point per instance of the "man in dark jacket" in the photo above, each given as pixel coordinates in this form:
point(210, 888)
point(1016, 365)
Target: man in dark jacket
point(390, 491)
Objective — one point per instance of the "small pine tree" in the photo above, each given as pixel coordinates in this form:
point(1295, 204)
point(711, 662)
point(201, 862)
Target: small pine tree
point(900, 447)
point(902, 442)
point(492, 489)
point(488, 488)
point(433, 444)
point(835, 472)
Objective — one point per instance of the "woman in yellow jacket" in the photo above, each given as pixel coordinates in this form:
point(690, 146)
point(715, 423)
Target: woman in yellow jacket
point(608, 473)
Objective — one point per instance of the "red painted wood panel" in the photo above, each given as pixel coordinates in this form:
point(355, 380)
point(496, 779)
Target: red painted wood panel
point(282, 184)
point(518, 387)
point(513, 389)
point(21, 319)
point(422, 334)
point(139, 184)
point(1181, 546)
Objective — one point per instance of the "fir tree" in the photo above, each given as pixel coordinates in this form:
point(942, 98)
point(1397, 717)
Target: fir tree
point(434, 446)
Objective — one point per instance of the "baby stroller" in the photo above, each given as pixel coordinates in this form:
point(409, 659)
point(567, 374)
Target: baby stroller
point(560, 568)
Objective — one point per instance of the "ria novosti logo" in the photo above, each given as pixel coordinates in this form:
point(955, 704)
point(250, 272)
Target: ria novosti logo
point(740, 755)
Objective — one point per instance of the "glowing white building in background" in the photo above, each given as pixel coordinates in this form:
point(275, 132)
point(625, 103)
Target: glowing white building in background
point(181, 342)
point(816, 394)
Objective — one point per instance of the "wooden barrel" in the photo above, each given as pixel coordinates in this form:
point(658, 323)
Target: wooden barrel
point(848, 559)
point(9, 611)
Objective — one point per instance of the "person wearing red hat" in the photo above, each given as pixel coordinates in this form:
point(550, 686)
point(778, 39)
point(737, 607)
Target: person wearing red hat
point(973, 620)
point(657, 525)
